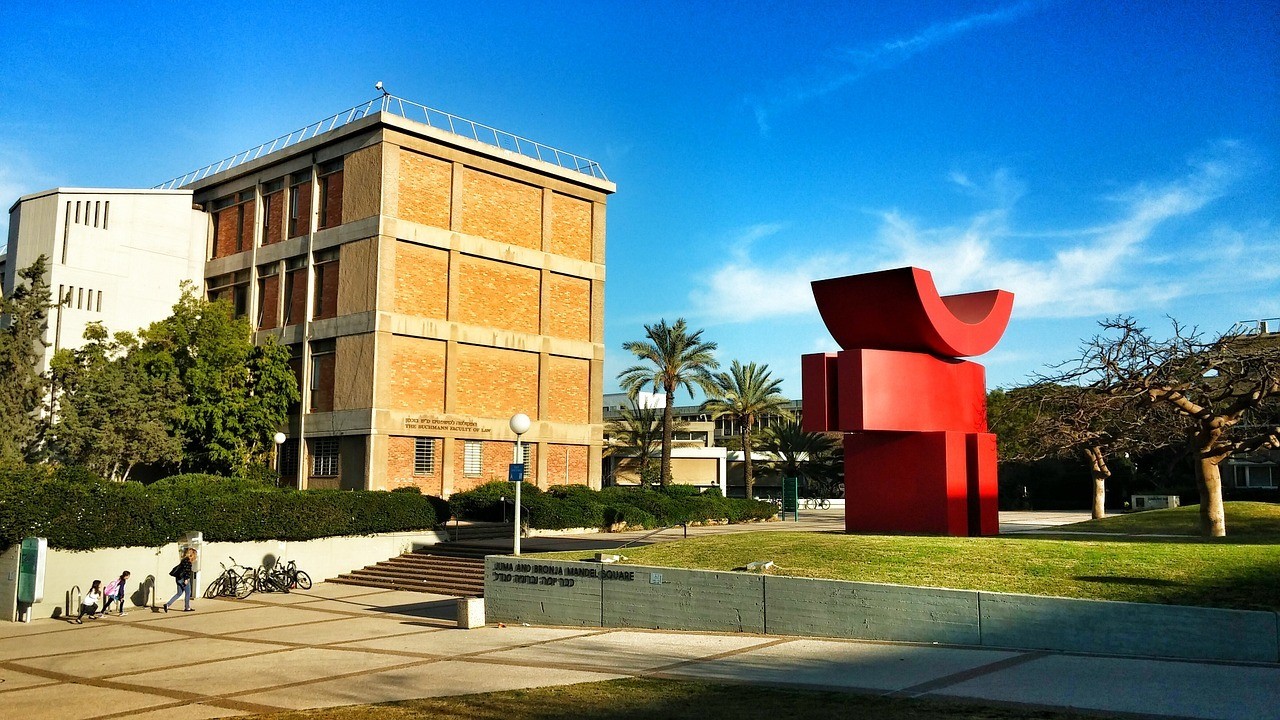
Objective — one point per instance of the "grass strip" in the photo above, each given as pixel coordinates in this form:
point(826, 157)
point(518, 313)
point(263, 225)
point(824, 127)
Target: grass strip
point(637, 699)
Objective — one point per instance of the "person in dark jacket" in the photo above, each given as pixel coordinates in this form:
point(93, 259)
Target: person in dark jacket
point(184, 574)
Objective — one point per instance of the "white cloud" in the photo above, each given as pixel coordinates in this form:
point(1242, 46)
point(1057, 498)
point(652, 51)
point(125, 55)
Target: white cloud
point(1104, 268)
point(854, 65)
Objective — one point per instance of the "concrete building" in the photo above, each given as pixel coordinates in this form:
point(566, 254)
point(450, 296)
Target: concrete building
point(430, 285)
point(429, 282)
point(115, 256)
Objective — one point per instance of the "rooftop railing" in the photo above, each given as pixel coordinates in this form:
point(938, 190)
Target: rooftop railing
point(409, 110)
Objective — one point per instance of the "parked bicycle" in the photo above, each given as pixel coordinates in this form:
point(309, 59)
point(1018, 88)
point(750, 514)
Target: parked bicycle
point(238, 581)
point(282, 578)
point(816, 503)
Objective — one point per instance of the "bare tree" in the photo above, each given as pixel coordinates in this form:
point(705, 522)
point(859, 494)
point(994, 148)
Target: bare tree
point(1213, 384)
point(1059, 420)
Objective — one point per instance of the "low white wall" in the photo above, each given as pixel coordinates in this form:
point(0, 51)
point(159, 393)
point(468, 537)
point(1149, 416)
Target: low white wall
point(149, 567)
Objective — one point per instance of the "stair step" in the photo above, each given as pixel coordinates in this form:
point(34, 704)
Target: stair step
point(435, 590)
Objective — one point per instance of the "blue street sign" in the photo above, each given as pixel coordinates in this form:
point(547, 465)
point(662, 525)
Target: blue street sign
point(515, 472)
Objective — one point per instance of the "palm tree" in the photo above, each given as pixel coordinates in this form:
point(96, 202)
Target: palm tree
point(638, 433)
point(672, 357)
point(746, 393)
point(814, 458)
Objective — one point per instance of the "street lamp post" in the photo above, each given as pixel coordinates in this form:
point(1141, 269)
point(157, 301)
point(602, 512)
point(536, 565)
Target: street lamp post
point(519, 425)
point(278, 439)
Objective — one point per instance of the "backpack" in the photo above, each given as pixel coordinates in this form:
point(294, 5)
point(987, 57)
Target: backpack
point(176, 571)
point(112, 588)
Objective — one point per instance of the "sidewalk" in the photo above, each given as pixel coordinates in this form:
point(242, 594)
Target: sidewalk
point(342, 645)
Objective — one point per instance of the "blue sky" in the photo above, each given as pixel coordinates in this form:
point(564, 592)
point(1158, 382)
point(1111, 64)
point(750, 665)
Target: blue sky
point(1094, 158)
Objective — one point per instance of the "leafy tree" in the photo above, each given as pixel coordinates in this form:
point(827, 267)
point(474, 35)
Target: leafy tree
point(671, 357)
point(23, 388)
point(638, 433)
point(817, 459)
point(235, 394)
point(746, 393)
point(1213, 385)
point(112, 414)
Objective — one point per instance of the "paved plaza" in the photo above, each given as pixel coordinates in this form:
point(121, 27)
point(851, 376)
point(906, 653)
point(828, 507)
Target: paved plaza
point(342, 645)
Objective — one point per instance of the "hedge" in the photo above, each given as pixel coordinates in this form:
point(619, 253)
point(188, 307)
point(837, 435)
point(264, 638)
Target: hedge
point(569, 506)
point(77, 511)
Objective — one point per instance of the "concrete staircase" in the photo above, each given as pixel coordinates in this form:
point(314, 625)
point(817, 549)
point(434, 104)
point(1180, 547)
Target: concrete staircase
point(450, 568)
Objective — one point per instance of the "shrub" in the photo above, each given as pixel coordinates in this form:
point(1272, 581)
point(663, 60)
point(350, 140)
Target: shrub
point(568, 506)
point(77, 511)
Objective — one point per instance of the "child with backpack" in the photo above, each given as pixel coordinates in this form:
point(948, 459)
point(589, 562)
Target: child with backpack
point(90, 603)
point(114, 592)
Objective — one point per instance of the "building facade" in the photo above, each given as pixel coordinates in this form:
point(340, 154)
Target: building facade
point(116, 256)
point(429, 286)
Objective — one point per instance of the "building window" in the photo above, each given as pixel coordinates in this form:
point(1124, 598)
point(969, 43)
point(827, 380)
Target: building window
point(268, 296)
point(1255, 476)
point(322, 368)
point(295, 290)
point(106, 213)
point(272, 211)
point(472, 458)
point(300, 204)
point(331, 193)
point(232, 287)
point(324, 457)
point(424, 456)
point(99, 301)
point(325, 300)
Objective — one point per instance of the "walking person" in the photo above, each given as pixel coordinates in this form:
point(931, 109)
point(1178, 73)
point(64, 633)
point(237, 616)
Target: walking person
point(115, 592)
point(184, 574)
point(90, 603)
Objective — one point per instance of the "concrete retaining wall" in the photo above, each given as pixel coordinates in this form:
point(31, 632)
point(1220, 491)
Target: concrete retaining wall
point(592, 594)
point(322, 558)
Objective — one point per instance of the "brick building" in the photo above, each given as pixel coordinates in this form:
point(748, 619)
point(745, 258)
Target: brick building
point(430, 283)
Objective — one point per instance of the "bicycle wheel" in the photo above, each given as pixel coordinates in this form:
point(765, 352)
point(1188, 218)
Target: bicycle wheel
point(824, 504)
point(302, 580)
point(245, 585)
point(215, 588)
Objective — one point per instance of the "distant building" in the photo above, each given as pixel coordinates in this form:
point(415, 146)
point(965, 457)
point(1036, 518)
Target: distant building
point(1256, 475)
point(691, 464)
point(116, 256)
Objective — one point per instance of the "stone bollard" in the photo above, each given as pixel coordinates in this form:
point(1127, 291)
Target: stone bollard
point(470, 613)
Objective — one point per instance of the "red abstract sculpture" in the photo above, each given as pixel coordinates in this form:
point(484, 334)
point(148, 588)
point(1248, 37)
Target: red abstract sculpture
point(917, 454)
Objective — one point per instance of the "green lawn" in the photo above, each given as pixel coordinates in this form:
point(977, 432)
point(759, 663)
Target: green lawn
point(643, 699)
point(1190, 571)
point(1247, 522)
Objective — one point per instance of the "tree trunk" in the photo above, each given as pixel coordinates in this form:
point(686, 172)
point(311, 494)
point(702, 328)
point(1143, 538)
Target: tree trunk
point(1100, 472)
point(1213, 518)
point(746, 461)
point(665, 477)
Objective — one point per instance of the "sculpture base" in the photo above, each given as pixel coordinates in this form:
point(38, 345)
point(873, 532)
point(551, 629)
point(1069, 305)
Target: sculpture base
point(921, 482)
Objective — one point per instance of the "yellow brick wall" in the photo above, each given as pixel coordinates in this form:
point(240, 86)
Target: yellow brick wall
point(425, 189)
point(362, 184)
point(498, 294)
point(560, 457)
point(570, 227)
point(422, 280)
point(569, 307)
point(492, 382)
point(501, 209)
point(353, 372)
point(417, 375)
point(496, 456)
point(357, 276)
point(568, 390)
point(400, 452)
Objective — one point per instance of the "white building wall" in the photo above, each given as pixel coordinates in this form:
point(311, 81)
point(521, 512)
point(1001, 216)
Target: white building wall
point(121, 263)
